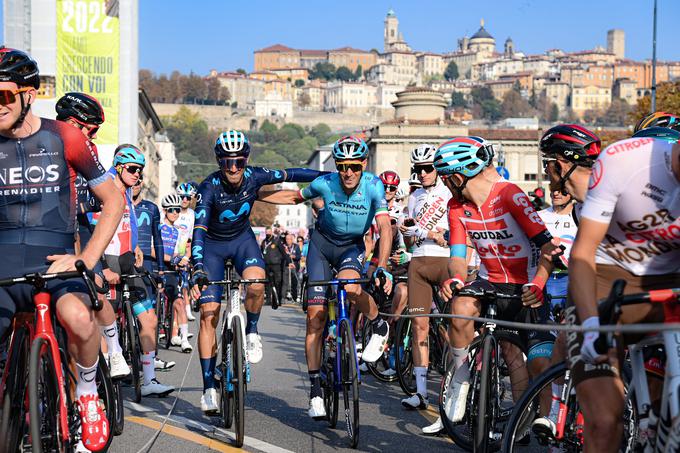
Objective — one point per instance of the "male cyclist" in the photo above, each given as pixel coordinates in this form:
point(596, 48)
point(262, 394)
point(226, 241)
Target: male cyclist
point(222, 231)
point(628, 229)
point(507, 233)
point(128, 165)
point(423, 228)
point(40, 157)
point(185, 225)
point(352, 198)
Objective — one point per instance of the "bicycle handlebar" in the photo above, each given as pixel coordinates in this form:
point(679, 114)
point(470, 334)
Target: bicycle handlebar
point(487, 294)
point(339, 281)
point(236, 281)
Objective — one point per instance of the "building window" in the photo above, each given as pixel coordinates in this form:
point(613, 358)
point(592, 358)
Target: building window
point(530, 176)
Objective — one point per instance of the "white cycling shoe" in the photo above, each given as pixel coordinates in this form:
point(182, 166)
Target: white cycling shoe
point(118, 367)
point(435, 428)
point(186, 346)
point(155, 388)
point(544, 428)
point(456, 394)
point(317, 410)
point(176, 340)
point(254, 347)
point(209, 402)
point(416, 401)
point(375, 347)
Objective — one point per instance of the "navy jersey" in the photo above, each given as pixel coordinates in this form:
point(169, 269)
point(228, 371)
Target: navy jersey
point(148, 230)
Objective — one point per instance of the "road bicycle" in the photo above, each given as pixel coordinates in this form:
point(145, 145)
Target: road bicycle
point(165, 312)
point(37, 382)
point(234, 367)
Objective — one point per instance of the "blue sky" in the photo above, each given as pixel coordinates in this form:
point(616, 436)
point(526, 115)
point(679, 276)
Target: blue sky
point(222, 34)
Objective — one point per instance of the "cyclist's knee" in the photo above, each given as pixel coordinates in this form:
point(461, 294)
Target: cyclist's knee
point(353, 291)
point(256, 290)
point(316, 320)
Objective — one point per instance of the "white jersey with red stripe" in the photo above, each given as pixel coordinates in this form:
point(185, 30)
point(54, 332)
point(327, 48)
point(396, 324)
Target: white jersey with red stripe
point(505, 230)
point(121, 242)
point(634, 191)
point(428, 208)
point(562, 226)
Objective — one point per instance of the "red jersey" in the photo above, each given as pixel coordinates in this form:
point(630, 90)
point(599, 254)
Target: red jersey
point(506, 231)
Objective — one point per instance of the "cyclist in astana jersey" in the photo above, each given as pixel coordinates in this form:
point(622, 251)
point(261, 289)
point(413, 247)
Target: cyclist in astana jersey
point(40, 160)
point(628, 229)
point(512, 242)
point(128, 165)
point(352, 198)
point(423, 228)
point(222, 231)
point(185, 225)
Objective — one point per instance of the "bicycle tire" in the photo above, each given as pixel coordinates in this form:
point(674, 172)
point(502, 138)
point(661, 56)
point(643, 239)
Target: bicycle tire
point(404, 356)
point(331, 397)
point(168, 321)
point(239, 377)
point(119, 425)
point(133, 352)
point(485, 411)
point(105, 391)
point(349, 380)
point(226, 395)
point(43, 395)
point(275, 299)
point(160, 316)
point(13, 425)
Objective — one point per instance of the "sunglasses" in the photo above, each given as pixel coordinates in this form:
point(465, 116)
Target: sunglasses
point(186, 197)
point(356, 168)
point(173, 210)
point(423, 168)
point(133, 169)
point(229, 162)
point(139, 182)
point(390, 188)
point(8, 97)
point(547, 160)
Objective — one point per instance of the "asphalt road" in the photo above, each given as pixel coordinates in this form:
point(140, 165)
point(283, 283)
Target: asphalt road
point(276, 406)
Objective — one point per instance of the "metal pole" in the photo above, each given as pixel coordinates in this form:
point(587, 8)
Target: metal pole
point(654, 63)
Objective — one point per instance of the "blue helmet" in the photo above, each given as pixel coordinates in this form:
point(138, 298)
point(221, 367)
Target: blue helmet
point(186, 189)
point(350, 147)
point(128, 154)
point(467, 156)
point(662, 133)
point(232, 143)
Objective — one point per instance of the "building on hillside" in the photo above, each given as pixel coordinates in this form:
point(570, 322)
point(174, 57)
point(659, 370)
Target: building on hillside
point(349, 97)
point(243, 90)
point(292, 74)
point(310, 58)
point(266, 76)
point(640, 72)
point(499, 88)
point(540, 65)
point(352, 58)
point(616, 43)
point(281, 88)
point(625, 89)
point(277, 56)
point(316, 92)
point(598, 75)
point(596, 56)
point(430, 64)
point(282, 57)
point(274, 105)
point(291, 217)
point(387, 94)
point(558, 94)
point(590, 98)
point(479, 48)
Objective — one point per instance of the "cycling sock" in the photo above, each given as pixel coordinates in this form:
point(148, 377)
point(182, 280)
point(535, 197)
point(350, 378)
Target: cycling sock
point(110, 334)
point(184, 331)
point(251, 322)
point(459, 355)
point(421, 379)
point(87, 384)
point(188, 309)
point(315, 381)
point(379, 326)
point(208, 369)
point(148, 367)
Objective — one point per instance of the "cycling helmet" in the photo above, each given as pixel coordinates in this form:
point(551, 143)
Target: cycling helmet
point(171, 200)
point(658, 119)
point(396, 211)
point(467, 156)
point(390, 178)
point(232, 144)
point(575, 143)
point(16, 66)
point(401, 194)
point(350, 148)
point(81, 107)
point(186, 189)
point(414, 181)
point(423, 154)
point(128, 154)
point(662, 133)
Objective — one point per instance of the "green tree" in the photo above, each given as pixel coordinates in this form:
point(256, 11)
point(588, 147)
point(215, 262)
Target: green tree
point(304, 100)
point(320, 132)
point(491, 109)
point(269, 130)
point(299, 83)
point(193, 143)
point(325, 71)
point(358, 72)
point(554, 112)
point(481, 94)
point(616, 114)
point(344, 73)
point(458, 99)
point(590, 116)
point(241, 71)
point(451, 72)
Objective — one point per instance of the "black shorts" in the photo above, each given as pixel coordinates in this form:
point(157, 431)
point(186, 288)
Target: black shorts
point(125, 264)
point(513, 310)
point(172, 285)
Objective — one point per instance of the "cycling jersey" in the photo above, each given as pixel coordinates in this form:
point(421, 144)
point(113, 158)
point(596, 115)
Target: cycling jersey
point(170, 238)
point(148, 230)
point(562, 226)
point(428, 208)
point(185, 225)
point(634, 190)
point(505, 231)
point(121, 242)
point(37, 184)
point(224, 211)
point(346, 218)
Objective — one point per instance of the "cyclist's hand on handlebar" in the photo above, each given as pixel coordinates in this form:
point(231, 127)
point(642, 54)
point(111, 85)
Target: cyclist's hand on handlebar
point(199, 282)
point(532, 293)
point(62, 263)
point(385, 282)
point(447, 288)
point(139, 257)
point(111, 277)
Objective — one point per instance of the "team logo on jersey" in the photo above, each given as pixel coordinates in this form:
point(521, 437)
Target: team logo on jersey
point(231, 216)
point(251, 261)
point(216, 181)
point(200, 214)
point(34, 174)
point(144, 219)
point(197, 251)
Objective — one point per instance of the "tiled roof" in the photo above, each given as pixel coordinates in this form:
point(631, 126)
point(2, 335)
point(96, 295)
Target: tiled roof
point(276, 48)
point(313, 53)
point(349, 49)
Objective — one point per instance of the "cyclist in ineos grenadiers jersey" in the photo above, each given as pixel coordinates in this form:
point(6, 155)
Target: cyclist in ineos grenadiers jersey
point(39, 159)
point(222, 231)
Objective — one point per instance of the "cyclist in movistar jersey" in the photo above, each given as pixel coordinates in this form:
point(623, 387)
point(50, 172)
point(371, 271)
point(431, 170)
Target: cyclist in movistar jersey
point(352, 198)
point(222, 231)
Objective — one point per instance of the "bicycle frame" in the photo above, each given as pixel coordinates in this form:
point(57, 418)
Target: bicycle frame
point(235, 311)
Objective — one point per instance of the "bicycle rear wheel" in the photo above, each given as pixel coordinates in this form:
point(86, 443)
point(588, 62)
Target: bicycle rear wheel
point(331, 397)
point(106, 394)
point(349, 380)
point(404, 356)
point(119, 424)
point(133, 351)
point(168, 321)
point(13, 425)
point(238, 379)
point(43, 397)
point(485, 415)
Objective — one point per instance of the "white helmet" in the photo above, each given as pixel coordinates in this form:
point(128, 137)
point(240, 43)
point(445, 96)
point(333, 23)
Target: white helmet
point(414, 181)
point(401, 194)
point(171, 201)
point(396, 211)
point(423, 154)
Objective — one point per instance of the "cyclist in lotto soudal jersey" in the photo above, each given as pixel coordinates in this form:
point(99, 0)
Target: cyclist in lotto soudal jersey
point(511, 240)
point(352, 198)
point(222, 231)
point(628, 229)
point(39, 159)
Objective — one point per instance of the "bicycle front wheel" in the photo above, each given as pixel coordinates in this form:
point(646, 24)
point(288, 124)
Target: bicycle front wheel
point(168, 321)
point(404, 356)
point(485, 421)
point(106, 394)
point(349, 380)
point(133, 351)
point(238, 379)
point(43, 397)
point(13, 425)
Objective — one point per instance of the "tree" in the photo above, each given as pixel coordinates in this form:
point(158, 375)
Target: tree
point(358, 72)
point(304, 100)
point(616, 114)
point(458, 99)
point(344, 73)
point(667, 100)
point(320, 132)
point(590, 116)
point(480, 94)
point(515, 106)
point(193, 143)
point(325, 71)
point(554, 112)
point(451, 72)
point(263, 214)
point(299, 83)
point(269, 130)
point(491, 109)
point(241, 71)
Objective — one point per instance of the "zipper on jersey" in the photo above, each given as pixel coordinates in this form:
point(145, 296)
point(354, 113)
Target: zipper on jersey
point(21, 158)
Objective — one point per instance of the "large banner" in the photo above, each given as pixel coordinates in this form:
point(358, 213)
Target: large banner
point(88, 44)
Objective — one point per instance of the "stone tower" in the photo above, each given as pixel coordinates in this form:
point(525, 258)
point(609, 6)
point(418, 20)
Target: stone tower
point(616, 43)
point(509, 49)
point(391, 29)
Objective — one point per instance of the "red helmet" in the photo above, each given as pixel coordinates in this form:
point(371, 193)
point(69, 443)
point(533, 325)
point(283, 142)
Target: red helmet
point(390, 178)
point(575, 143)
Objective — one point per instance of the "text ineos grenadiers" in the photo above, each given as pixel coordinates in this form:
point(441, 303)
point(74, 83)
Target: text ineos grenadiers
point(33, 175)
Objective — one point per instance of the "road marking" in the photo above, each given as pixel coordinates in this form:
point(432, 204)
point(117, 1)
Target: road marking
point(184, 434)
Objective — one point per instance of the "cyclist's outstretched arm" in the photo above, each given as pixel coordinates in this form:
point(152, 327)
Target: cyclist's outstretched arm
point(279, 196)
